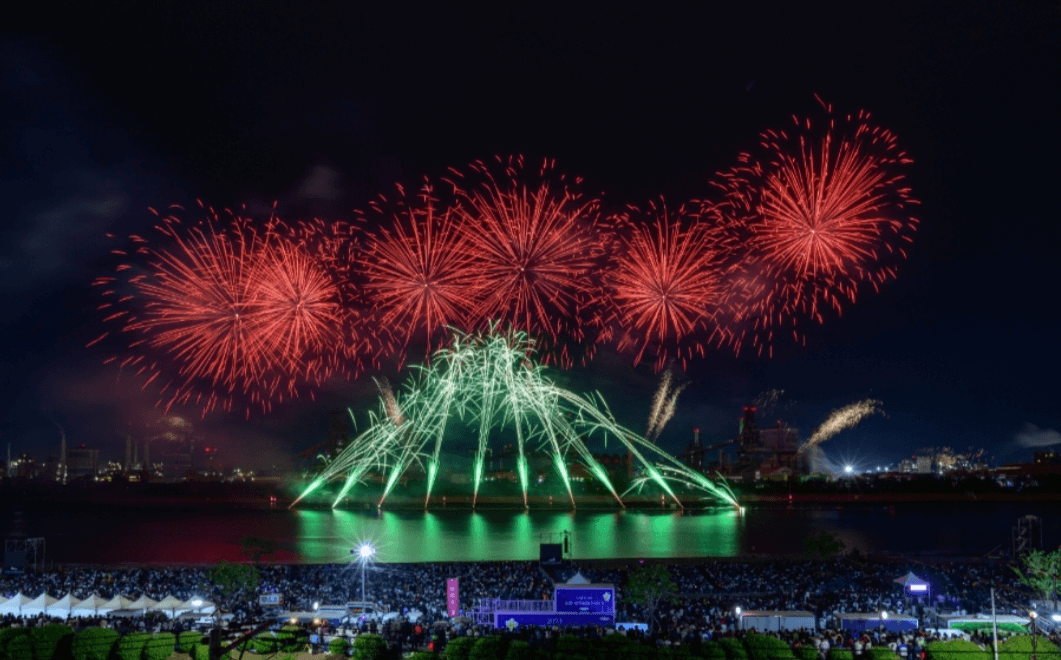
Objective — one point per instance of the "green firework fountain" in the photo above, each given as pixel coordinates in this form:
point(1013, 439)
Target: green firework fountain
point(490, 381)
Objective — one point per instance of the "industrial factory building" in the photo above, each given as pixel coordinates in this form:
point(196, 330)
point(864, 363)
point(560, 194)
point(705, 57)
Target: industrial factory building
point(755, 453)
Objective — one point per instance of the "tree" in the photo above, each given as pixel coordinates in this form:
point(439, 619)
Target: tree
point(823, 546)
point(230, 578)
point(648, 585)
point(255, 548)
point(1041, 572)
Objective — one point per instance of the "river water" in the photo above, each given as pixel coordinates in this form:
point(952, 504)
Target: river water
point(165, 535)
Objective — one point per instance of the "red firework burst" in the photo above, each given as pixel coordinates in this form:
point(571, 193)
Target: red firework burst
point(666, 288)
point(827, 211)
point(418, 268)
point(536, 245)
point(231, 313)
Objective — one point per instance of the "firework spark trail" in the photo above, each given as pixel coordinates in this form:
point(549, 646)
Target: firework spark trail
point(537, 246)
point(490, 381)
point(232, 313)
point(664, 403)
point(419, 268)
point(842, 419)
point(390, 404)
point(827, 211)
point(667, 285)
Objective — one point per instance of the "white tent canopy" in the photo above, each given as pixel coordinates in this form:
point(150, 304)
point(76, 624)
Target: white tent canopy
point(14, 604)
point(206, 607)
point(143, 603)
point(170, 605)
point(91, 606)
point(116, 603)
point(38, 605)
point(64, 606)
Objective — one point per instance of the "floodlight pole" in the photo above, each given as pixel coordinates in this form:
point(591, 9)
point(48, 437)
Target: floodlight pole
point(994, 622)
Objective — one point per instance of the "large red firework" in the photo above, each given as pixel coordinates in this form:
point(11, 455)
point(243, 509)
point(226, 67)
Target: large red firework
point(230, 314)
point(536, 245)
point(418, 267)
point(667, 285)
point(827, 211)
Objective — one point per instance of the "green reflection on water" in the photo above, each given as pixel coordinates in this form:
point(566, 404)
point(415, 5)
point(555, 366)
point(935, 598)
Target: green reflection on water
point(455, 536)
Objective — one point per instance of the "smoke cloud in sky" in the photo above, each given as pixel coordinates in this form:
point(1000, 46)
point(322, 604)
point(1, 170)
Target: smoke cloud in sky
point(1033, 436)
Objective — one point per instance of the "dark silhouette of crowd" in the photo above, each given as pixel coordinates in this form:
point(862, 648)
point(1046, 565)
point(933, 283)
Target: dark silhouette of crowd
point(413, 595)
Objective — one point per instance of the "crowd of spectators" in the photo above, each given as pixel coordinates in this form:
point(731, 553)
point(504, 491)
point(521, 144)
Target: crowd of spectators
point(707, 591)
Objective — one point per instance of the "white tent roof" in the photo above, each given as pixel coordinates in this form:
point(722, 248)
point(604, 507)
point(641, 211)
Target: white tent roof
point(116, 603)
point(64, 605)
point(14, 604)
point(142, 603)
point(206, 608)
point(89, 607)
point(910, 580)
point(170, 604)
point(578, 578)
point(38, 605)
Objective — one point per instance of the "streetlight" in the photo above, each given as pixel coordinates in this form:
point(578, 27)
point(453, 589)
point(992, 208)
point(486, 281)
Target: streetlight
point(883, 618)
point(365, 552)
point(1033, 615)
point(1056, 617)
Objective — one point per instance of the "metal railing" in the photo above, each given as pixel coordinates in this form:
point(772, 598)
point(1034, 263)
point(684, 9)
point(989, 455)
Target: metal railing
point(496, 604)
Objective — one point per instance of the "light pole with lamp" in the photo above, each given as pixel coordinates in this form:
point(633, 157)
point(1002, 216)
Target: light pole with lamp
point(365, 552)
point(1033, 615)
point(736, 623)
point(883, 618)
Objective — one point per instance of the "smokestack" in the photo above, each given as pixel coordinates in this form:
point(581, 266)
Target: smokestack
point(10, 472)
point(62, 456)
point(147, 456)
point(136, 454)
point(128, 451)
point(696, 437)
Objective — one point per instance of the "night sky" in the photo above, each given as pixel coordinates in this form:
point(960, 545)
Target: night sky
point(105, 112)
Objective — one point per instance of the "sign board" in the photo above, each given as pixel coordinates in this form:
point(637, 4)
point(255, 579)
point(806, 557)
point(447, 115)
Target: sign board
point(551, 554)
point(515, 620)
point(271, 599)
point(453, 600)
point(596, 600)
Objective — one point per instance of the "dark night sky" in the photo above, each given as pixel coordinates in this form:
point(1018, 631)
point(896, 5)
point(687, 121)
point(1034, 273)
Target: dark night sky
point(106, 112)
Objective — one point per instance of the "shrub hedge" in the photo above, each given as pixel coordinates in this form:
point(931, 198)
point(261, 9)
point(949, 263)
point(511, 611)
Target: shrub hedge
point(459, 648)
point(956, 649)
point(94, 644)
point(1020, 648)
point(187, 639)
point(338, 646)
point(160, 646)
